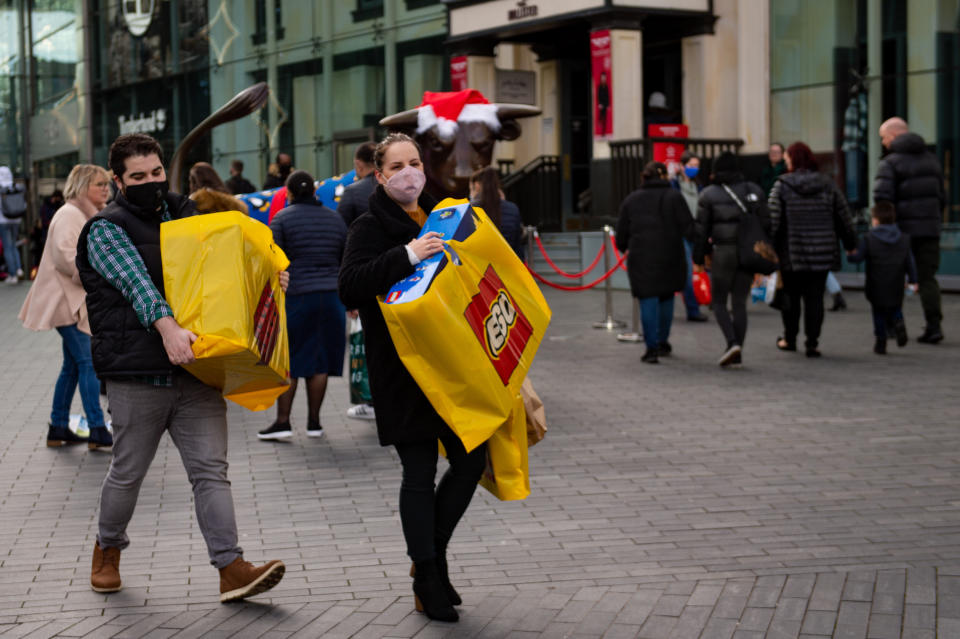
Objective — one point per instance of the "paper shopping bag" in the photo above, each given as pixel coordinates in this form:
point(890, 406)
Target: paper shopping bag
point(221, 275)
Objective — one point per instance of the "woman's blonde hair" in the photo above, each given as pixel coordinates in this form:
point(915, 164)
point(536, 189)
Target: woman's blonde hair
point(78, 182)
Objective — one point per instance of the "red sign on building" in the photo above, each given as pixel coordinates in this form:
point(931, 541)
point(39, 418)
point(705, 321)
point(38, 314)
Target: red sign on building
point(602, 83)
point(668, 152)
point(458, 73)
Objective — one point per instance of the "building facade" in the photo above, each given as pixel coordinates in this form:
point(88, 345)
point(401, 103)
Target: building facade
point(76, 73)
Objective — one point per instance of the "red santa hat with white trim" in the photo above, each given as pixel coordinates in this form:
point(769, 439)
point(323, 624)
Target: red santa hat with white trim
point(446, 110)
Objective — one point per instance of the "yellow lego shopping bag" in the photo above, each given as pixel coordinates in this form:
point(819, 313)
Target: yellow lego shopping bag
point(507, 472)
point(221, 276)
point(468, 322)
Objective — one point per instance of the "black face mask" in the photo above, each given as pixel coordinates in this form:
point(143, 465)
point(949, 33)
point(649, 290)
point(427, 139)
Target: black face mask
point(147, 197)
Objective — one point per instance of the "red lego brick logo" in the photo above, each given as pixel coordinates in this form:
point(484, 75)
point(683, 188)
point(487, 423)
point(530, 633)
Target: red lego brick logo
point(500, 326)
point(266, 324)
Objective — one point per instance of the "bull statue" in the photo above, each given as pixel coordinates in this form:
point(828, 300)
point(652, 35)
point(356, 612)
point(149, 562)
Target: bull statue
point(456, 132)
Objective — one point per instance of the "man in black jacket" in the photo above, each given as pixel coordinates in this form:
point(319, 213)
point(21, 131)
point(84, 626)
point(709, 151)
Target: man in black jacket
point(911, 178)
point(355, 200)
point(138, 349)
point(238, 184)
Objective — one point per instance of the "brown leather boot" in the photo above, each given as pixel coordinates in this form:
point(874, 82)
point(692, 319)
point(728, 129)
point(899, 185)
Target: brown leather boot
point(241, 579)
point(105, 575)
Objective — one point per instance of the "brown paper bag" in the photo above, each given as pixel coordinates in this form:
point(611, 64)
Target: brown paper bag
point(536, 415)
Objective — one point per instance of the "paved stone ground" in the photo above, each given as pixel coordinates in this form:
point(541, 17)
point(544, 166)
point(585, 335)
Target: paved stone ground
point(792, 498)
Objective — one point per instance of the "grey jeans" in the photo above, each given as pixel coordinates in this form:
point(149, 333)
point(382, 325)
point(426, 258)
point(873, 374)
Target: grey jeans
point(196, 417)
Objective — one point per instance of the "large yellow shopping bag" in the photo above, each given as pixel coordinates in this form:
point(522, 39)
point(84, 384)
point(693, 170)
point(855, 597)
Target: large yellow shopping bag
point(220, 272)
point(468, 322)
point(507, 472)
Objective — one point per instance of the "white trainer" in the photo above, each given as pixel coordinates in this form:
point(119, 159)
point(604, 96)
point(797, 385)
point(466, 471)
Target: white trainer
point(361, 411)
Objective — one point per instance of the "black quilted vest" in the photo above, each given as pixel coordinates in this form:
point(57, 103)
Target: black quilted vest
point(121, 346)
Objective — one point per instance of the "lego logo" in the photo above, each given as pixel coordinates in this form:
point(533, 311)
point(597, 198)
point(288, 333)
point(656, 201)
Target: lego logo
point(502, 316)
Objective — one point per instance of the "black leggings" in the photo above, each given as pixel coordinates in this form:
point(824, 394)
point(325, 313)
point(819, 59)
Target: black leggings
point(807, 286)
point(428, 518)
point(728, 281)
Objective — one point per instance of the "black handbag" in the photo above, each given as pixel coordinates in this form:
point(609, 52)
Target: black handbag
point(755, 251)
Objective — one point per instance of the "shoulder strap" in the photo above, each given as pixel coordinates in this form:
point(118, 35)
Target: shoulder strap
point(735, 198)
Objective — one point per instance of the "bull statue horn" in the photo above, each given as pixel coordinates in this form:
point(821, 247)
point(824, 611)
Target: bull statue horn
point(241, 105)
point(513, 111)
point(403, 120)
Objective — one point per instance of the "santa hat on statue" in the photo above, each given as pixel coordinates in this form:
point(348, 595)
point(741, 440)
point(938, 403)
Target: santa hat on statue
point(446, 110)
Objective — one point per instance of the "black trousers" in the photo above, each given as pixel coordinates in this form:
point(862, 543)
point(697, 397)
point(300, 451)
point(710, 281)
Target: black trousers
point(429, 516)
point(926, 252)
point(728, 281)
point(806, 287)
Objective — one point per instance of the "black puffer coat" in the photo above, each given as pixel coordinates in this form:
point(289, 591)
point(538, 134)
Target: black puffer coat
point(718, 216)
point(808, 215)
point(910, 177)
point(653, 222)
point(375, 258)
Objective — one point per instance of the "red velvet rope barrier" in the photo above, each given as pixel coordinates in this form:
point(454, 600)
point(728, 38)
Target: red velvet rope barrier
point(617, 253)
point(559, 271)
point(583, 287)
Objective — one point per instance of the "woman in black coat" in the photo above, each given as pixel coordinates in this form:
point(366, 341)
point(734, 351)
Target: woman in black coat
point(383, 248)
point(808, 218)
point(653, 222)
point(718, 227)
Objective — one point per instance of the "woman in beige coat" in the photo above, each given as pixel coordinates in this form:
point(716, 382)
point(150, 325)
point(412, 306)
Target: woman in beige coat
point(57, 300)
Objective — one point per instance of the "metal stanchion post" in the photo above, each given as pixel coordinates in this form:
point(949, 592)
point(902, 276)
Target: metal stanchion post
point(608, 322)
point(635, 335)
point(531, 234)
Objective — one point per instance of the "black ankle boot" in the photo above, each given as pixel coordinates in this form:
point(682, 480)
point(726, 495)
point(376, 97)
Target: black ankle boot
point(839, 304)
point(452, 593)
point(60, 435)
point(429, 594)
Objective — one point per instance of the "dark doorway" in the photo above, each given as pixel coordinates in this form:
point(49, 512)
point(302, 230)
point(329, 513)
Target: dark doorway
point(575, 138)
point(663, 73)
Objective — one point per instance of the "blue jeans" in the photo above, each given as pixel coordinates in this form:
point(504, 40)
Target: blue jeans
point(884, 318)
point(656, 315)
point(11, 254)
point(689, 297)
point(77, 368)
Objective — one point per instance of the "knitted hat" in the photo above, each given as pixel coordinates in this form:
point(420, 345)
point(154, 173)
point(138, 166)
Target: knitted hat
point(726, 162)
point(447, 109)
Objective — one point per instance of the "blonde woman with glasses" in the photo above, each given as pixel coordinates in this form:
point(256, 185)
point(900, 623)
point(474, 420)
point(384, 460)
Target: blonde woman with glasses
point(57, 301)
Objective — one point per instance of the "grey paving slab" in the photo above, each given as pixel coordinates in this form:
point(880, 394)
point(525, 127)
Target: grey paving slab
point(788, 498)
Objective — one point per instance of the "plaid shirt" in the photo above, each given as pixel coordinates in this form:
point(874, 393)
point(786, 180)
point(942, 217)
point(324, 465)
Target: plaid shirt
point(116, 259)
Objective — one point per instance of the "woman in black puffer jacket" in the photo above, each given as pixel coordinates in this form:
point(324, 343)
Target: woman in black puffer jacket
point(718, 221)
point(808, 216)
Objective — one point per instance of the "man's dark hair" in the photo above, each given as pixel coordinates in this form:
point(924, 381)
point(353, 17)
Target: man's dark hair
point(131, 145)
point(687, 156)
point(782, 148)
point(365, 152)
point(884, 212)
point(237, 166)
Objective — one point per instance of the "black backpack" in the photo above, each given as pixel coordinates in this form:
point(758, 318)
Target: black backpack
point(13, 202)
point(755, 250)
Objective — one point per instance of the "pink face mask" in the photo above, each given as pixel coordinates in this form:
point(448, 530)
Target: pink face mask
point(405, 185)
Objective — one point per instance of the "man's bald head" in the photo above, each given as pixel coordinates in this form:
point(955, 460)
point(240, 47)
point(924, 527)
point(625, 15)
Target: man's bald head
point(890, 129)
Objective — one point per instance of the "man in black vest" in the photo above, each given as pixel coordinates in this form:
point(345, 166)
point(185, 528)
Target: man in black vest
point(138, 348)
point(909, 176)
